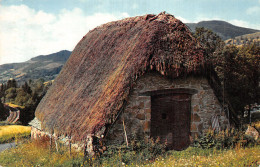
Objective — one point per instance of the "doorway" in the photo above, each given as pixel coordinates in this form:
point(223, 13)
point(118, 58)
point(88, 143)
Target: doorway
point(170, 119)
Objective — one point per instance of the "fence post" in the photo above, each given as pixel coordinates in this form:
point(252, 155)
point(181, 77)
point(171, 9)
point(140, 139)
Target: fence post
point(125, 133)
point(50, 142)
point(70, 145)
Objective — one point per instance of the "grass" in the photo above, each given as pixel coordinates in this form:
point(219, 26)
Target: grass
point(38, 154)
point(35, 154)
point(9, 132)
point(211, 157)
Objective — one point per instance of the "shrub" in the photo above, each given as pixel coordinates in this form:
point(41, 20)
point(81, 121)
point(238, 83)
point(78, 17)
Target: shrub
point(137, 151)
point(225, 139)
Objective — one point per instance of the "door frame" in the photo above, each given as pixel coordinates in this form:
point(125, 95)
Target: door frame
point(169, 92)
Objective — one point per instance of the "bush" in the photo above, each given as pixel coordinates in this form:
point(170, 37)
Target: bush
point(137, 151)
point(225, 139)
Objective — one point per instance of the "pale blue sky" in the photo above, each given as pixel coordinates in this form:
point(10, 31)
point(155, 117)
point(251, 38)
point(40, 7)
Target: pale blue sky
point(34, 27)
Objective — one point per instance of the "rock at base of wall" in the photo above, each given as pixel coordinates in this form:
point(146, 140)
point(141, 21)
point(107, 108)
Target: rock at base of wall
point(252, 132)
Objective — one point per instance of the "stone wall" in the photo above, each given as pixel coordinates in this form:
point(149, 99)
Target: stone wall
point(37, 134)
point(137, 113)
point(44, 138)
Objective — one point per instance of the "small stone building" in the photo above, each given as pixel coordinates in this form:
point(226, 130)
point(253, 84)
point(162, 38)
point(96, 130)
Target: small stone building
point(145, 76)
point(174, 110)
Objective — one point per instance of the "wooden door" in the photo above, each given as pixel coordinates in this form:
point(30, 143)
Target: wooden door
point(170, 120)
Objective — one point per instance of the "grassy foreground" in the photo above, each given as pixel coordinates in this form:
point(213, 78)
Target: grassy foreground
point(211, 157)
point(10, 132)
point(35, 154)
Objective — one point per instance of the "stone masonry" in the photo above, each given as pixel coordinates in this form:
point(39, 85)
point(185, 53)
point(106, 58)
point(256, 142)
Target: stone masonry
point(137, 113)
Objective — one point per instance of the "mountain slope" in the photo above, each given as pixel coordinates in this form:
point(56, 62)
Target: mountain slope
point(46, 67)
point(245, 39)
point(224, 29)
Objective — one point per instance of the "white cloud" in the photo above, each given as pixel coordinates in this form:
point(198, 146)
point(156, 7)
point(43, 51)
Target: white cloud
point(239, 23)
point(242, 23)
point(182, 19)
point(206, 18)
point(253, 10)
point(26, 33)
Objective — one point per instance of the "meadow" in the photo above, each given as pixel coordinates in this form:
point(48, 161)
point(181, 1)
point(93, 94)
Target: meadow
point(37, 154)
point(9, 133)
point(225, 148)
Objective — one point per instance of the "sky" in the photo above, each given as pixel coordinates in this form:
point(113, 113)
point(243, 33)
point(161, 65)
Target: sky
point(29, 28)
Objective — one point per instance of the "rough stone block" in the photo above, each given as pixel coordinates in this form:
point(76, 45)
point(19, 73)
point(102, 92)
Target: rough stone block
point(200, 127)
point(140, 116)
point(195, 118)
point(194, 128)
point(147, 104)
point(148, 116)
point(196, 108)
point(195, 101)
point(134, 107)
point(147, 125)
point(143, 98)
point(141, 105)
point(140, 87)
point(148, 110)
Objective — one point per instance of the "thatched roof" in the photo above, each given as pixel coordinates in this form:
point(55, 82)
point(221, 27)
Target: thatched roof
point(97, 78)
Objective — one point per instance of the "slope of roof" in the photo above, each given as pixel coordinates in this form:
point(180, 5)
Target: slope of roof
point(97, 78)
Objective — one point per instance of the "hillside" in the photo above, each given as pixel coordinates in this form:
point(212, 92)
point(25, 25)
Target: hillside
point(44, 66)
point(244, 39)
point(224, 29)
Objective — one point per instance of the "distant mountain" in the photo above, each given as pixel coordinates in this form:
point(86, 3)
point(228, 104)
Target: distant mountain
point(44, 66)
point(224, 29)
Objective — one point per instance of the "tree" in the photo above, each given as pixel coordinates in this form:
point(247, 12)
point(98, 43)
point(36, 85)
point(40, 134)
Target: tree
point(238, 68)
point(27, 95)
point(239, 71)
point(10, 94)
point(22, 98)
point(211, 43)
point(3, 112)
point(11, 83)
point(26, 88)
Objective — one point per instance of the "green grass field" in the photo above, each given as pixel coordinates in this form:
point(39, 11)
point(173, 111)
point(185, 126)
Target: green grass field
point(10, 132)
point(34, 154)
point(29, 153)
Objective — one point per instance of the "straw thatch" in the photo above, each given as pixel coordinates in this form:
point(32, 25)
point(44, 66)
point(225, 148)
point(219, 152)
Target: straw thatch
point(96, 80)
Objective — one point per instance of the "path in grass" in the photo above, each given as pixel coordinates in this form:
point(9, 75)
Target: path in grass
point(6, 146)
point(14, 114)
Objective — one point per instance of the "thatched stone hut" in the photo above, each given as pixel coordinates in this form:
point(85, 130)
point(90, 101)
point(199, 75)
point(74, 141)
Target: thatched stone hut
point(148, 72)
